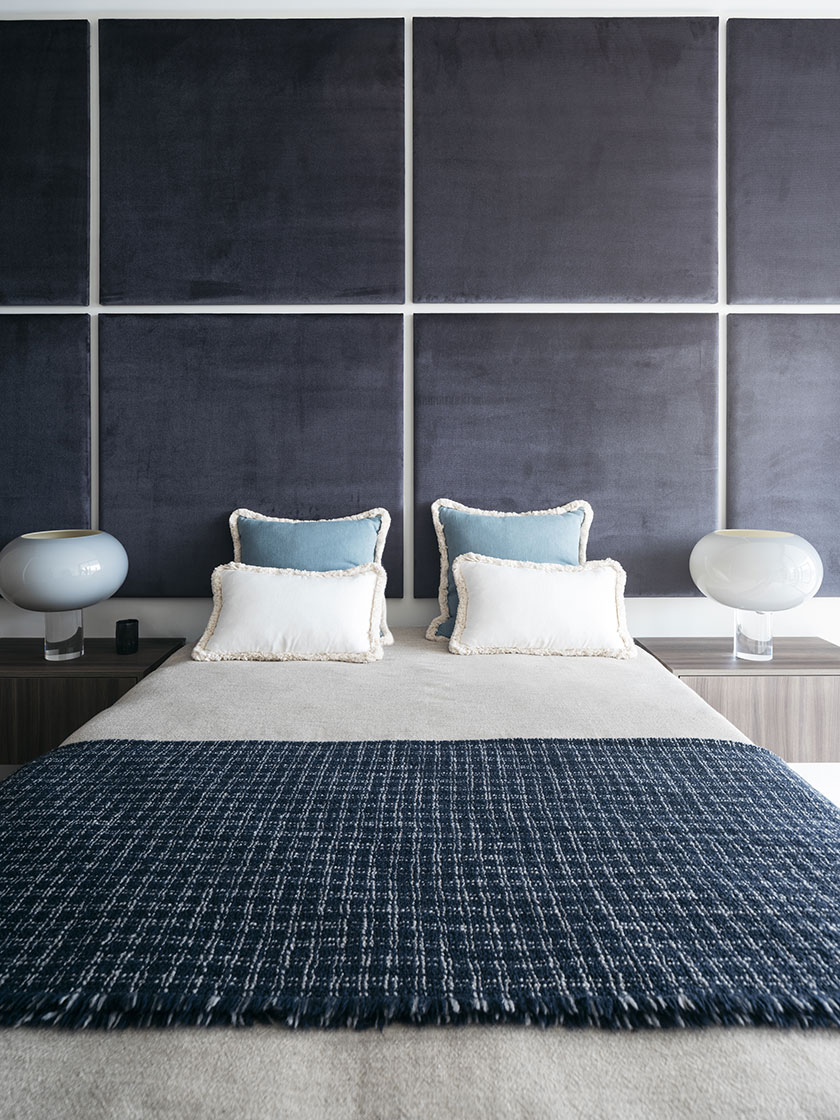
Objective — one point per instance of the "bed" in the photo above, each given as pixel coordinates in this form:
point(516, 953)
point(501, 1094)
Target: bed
point(421, 693)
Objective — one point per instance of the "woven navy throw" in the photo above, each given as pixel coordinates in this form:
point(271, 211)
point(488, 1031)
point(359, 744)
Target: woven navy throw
point(614, 883)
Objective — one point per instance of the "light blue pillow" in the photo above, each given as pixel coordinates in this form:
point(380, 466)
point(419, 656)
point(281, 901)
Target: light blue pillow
point(549, 536)
point(310, 546)
point(330, 545)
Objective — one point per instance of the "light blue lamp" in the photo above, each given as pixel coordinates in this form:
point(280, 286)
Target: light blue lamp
point(758, 572)
point(60, 572)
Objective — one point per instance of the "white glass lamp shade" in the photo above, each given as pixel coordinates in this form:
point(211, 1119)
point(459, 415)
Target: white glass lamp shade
point(62, 569)
point(756, 569)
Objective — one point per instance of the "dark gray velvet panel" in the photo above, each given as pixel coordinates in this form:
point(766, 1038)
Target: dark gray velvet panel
point(517, 412)
point(567, 160)
point(294, 416)
point(784, 160)
point(44, 161)
point(44, 423)
point(784, 430)
point(252, 161)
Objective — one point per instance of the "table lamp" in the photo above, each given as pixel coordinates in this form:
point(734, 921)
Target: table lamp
point(758, 572)
point(60, 572)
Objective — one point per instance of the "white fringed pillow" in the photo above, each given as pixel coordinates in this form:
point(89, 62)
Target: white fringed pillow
point(518, 606)
point(285, 614)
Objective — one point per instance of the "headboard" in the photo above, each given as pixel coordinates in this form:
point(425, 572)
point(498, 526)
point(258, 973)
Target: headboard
point(519, 412)
point(291, 415)
point(554, 305)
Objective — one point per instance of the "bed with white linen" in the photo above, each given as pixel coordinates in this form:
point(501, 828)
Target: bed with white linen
point(418, 692)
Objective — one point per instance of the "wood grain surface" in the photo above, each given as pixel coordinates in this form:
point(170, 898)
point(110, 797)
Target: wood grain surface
point(790, 704)
point(42, 702)
point(797, 717)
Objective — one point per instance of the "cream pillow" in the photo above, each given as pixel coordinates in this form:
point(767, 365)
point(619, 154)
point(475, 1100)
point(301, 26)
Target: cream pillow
point(286, 614)
point(518, 606)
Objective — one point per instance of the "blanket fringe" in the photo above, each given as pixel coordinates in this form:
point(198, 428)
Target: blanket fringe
point(626, 1011)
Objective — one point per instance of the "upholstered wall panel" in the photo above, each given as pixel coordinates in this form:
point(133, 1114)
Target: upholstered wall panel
point(784, 160)
point(291, 415)
point(784, 429)
point(44, 423)
point(568, 160)
point(44, 161)
point(517, 412)
point(252, 161)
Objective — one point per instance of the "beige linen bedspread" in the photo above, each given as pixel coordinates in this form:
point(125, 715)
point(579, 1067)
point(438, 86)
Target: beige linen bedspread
point(418, 691)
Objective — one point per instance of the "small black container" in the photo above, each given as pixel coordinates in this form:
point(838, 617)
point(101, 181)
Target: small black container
point(127, 638)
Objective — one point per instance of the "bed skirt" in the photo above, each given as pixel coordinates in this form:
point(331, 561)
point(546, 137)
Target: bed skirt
point(619, 883)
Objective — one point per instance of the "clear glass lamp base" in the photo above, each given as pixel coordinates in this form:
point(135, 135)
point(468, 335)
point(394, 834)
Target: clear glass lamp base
point(753, 635)
point(63, 635)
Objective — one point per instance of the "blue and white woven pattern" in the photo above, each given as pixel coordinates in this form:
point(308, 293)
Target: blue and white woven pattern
point(621, 883)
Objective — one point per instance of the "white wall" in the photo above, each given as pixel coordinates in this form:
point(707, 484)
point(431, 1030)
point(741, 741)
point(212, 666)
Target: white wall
point(646, 616)
point(825, 9)
point(651, 617)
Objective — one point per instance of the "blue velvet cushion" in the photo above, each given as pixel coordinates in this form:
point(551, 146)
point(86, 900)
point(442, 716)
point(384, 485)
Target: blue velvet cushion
point(311, 546)
point(555, 536)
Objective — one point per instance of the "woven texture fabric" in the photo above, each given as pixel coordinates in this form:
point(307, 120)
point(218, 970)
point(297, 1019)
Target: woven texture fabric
point(616, 883)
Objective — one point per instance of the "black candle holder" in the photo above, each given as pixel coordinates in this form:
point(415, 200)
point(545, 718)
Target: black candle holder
point(127, 636)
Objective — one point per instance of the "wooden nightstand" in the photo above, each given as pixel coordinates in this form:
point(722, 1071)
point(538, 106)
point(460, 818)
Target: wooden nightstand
point(790, 704)
point(42, 702)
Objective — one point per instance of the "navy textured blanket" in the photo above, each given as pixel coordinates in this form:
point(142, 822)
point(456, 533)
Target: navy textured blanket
point(616, 883)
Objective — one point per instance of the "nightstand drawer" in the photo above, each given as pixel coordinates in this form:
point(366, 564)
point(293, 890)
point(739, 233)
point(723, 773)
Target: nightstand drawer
point(42, 702)
point(798, 717)
point(790, 704)
point(36, 713)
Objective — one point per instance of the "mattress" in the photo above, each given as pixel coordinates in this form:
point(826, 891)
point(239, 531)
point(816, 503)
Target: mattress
point(419, 691)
